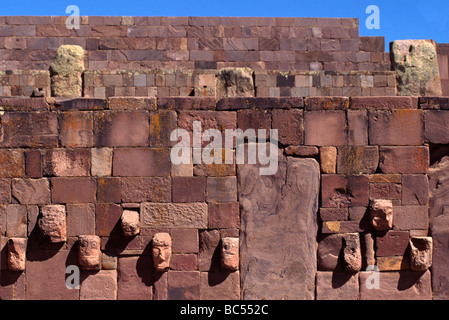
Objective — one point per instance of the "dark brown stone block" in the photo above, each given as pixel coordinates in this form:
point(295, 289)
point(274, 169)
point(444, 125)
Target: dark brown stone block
point(392, 243)
point(188, 189)
point(108, 190)
point(141, 162)
point(344, 190)
point(404, 159)
point(73, 190)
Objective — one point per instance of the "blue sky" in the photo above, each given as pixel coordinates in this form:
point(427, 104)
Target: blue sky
point(399, 19)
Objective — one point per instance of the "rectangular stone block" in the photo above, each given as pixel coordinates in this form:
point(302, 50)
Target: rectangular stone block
point(337, 286)
point(106, 217)
point(224, 215)
point(415, 189)
point(31, 191)
point(221, 189)
point(402, 285)
point(357, 159)
point(109, 190)
point(132, 103)
point(392, 243)
point(142, 162)
point(386, 102)
point(12, 163)
point(99, 285)
point(436, 124)
point(134, 278)
point(185, 240)
point(162, 124)
point(76, 129)
point(66, 162)
point(357, 127)
point(325, 128)
point(326, 103)
point(393, 263)
point(101, 159)
point(411, 218)
point(80, 219)
point(81, 104)
point(173, 215)
point(396, 127)
point(344, 190)
point(141, 189)
point(188, 189)
point(334, 214)
point(73, 190)
point(341, 227)
point(183, 285)
point(220, 286)
point(290, 126)
point(404, 159)
point(121, 128)
point(33, 164)
point(16, 221)
point(5, 191)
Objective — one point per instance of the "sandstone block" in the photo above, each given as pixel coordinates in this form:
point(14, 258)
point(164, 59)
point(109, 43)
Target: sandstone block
point(12, 163)
point(130, 222)
point(352, 254)
point(185, 240)
point(53, 223)
point(107, 215)
point(99, 285)
point(230, 253)
point(66, 162)
point(393, 263)
point(109, 190)
point(436, 126)
point(31, 191)
point(101, 161)
point(33, 164)
point(344, 190)
point(162, 124)
point(141, 162)
point(220, 285)
point(415, 189)
point(290, 126)
point(76, 129)
point(381, 214)
point(141, 189)
point(224, 215)
point(209, 257)
point(404, 159)
point(89, 253)
point(80, 219)
point(16, 221)
point(5, 191)
point(337, 286)
point(188, 189)
point(421, 249)
point(333, 214)
point(329, 252)
point(17, 254)
point(174, 215)
point(357, 159)
point(134, 278)
point(411, 218)
point(325, 128)
point(415, 62)
point(73, 190)
point(392, 243)
point(302, 151)
point(221, 189)
point(183, 285)
point(328, 159)
point(67, 69)
point(357, 127)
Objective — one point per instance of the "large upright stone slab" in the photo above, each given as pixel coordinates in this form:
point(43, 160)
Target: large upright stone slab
point(66, 71)
point(416, 66)
point(439, 227)
point(278, 230)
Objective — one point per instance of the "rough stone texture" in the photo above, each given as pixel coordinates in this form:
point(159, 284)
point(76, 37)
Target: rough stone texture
point(73, 190)
point(53, 223)
point(16, 254)
point(66, 70)
point(392, 243)
point(76, 129)
point(415, 189)
point(328, 159)
point(402, 285)
point(352, 254)
point(325, 128)
point(393, 263)
point(31, 191)
point(66, 162)
point(221, 189)
point(89, 253)
point(12, 163)
point(270, 232)
point(80, 219)
point(230, 253)
point(357, 159)
point(381, 214)
point(134, 278)
point(329, 253)
point(209, 256)
point(421, 253)
point(415, 62)
point(290, 126)
point(107, 216)
point(235, 82)
point(101, 161)
point(140, 189)
point(403, 159)
point(141, 162)
point(99, 285)
point(224, 215)
point(16, 221)
point(173, 215)
point(220, 285)
point(436, 124)
point(183, 285)
point(5, 191)
point(344, 190)
point(130, 222)
point(337, 286)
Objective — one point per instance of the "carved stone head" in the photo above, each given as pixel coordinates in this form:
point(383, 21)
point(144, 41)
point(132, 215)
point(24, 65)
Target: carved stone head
point(381, 214)
point(89, 252)
point(230, 253)
point(161, 251)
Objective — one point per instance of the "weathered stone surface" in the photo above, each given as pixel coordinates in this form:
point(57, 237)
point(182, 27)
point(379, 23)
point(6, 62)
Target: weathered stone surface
point(107, 216)
point(333, 214)
point(352, 254)
point(89, 253)
point(415, 189)
point(188, 189)
point(16, 221)
point(67, 69)
point(302, 151)
point(173, 215)
point(76, 129)
point(5, 191)
point(392, 243)
point(329, 252)
point(436, 126)
point(66, 162)
point(162, 124)
point(209, 257)
point(337, 286)
point(220, 285)
point(161, 251)
point(381, 214)
point(357, 159)
point(141, 162)
point(235, 82)
point(185, 240)
point(12, 163)
point(141, 189)
point(224, 215)
point(99, 285)
point(80, 219)
point(344, 190)
point(415, 62)
point(404, 159)
point(328, 159)
point(183, 285)
point(279, 216)
point(325, 128)
point(402, 285)
point(290, 126)
point(393, 263)
point(31, 191)
point(421, 253)
point(53, 223)
point(101, 161)
point(369, 254)
point(134, 278)
point(411, 218)
point(17, 254)
point(73, 190)
point(230, 253)
point(130, 222)
point(221, 189)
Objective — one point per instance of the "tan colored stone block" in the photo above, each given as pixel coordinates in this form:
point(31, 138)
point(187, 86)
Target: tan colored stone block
point(17, 254)
point(328, 159)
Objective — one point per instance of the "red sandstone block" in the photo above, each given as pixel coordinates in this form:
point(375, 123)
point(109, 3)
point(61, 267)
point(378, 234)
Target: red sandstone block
point(221, 285)
point(357, 127)
point(185, 240)
point(186, 103)
point(33, 164)
point(76, 129)
point(141, 162)
point(385, 102)
point(134, 278)
point(23, 104)
point(73, 190)
point(404, 159)
point(183, 285)
point(326, 103)
point(99, 285)
point(392, 243)
point(344, 190)
point(436, 124)
point(337, 286)
point(66, 162)
point(224, 215)
point(80, 219)
point(106, 217)
point(52, 30)
point(357, 159)
point(290, 126)
point(221, 189)
point(162, 125)
point(415, 189)
point(397, 127)
point(188, 189)
point(438, 103)
point(141, 189)
point(259, 103)
point(333, 214)
point(132, 103)
point(372, 44)
point(325, 128)
point(184, 262)
point(342, 227)
point(121, 128)
point(254, 119)
point(12, 163)
point(5, 191)
point(411, 218)
point(109, 31)
point(108, 190)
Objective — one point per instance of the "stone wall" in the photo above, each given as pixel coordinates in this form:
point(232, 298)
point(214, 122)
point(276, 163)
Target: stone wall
point(443, 62)
point(84, 162)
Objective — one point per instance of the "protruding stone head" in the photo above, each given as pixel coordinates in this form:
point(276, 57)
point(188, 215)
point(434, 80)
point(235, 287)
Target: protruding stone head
point(421, 253)
point(130, 222)
point(89, 253)
point(381, 214)
point(16, 254)
point(230, 253)
point(53, 223)
point(161, 251)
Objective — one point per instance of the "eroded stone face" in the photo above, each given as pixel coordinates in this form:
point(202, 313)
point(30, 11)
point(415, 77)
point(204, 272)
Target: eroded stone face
point(235, 82)
point(53, 223)
point(351, 252)
point(230, 253)
point(381, 214)
point(66, 70)
point(421, 253)
point(17, 254)
point(130, 222)
point(162, 245)
point(89, 253)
